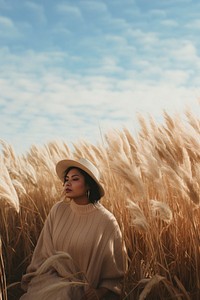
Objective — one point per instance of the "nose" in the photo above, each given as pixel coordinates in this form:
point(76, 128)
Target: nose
point(67, 183)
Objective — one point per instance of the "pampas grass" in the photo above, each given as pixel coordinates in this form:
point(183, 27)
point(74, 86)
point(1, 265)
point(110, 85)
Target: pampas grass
point(152, 184)
point(58, 262)
point(7, 190)
point(161, 210)
point(137, 218)
point(3, 293)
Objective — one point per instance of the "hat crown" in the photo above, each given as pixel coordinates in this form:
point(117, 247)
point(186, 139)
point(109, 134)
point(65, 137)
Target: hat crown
point(90, 167)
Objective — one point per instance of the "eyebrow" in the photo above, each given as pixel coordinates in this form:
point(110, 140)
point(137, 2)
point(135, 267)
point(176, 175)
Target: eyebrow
point(72, 175)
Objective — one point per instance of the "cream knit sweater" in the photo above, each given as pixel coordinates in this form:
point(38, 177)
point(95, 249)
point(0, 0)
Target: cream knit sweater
point(91, 236)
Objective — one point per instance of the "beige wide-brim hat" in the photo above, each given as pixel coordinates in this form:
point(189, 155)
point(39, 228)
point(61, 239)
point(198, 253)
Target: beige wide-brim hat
point(83, 164)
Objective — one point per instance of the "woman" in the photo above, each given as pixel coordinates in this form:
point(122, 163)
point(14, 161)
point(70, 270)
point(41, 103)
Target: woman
point(79, 254)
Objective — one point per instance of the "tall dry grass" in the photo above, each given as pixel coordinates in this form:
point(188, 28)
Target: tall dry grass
point(3, 287)
point(152, 184)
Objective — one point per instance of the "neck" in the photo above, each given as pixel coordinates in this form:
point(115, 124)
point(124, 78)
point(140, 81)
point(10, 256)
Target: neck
point(81, 201)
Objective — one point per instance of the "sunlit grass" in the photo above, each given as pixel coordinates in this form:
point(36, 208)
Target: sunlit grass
point(152, 184)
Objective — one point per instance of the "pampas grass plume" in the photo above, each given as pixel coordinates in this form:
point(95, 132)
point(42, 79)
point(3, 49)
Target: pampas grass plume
point(7, 190)
point(161, 210)
point(138, 220)
point(53, 261)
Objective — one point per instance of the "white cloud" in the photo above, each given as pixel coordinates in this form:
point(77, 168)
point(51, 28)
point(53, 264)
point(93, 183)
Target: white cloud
point(61, 29)
point(186, 51)
point(69, 9)
point(175, 77)
point(169, 23)
point(43, 97)
point(108, 65)
point(145, 38)
point(120, 45)
point(194, 24)
point(79, 107)
point(115, 23)
point(8, 30)
point(53, 93)
point(94, 6)
point(6, 22)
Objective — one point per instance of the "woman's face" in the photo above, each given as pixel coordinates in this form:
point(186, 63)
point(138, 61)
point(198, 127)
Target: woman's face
point(75, 186)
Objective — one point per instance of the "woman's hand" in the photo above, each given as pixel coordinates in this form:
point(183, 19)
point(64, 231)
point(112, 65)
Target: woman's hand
point(95, 294)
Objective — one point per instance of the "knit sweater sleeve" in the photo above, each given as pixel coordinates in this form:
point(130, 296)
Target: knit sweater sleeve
point(114, 263)
point(43, 249)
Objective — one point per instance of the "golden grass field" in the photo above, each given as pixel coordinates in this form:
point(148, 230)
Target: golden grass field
point(152, 184)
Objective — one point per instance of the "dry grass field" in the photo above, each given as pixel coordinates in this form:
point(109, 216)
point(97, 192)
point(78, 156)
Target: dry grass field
point(152, 184)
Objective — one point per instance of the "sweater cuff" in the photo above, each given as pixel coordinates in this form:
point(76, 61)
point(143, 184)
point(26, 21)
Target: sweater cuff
point(26, 278)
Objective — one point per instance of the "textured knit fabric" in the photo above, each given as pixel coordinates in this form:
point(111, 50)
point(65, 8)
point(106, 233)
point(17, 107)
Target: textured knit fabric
point(91, 236)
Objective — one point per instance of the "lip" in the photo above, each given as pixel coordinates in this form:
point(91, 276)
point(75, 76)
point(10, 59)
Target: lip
point(68, 190)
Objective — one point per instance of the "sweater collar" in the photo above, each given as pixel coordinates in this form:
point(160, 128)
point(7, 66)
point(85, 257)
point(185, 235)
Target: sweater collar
point(83, 209)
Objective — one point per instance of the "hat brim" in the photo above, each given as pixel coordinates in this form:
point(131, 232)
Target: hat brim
point(64, 164)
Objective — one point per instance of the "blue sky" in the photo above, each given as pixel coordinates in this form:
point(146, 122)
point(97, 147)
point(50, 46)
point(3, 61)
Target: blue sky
point(73, 70)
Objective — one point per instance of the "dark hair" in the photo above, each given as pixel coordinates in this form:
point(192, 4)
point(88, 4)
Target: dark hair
point(94, 193)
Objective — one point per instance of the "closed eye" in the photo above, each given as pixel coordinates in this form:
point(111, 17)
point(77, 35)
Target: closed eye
point(73, 178)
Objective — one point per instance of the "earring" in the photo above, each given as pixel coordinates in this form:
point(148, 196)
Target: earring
point(88, 194)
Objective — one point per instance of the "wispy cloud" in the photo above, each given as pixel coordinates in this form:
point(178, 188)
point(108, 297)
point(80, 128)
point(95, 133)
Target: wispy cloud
point(66, 8)
point(145, 38)
point(193, 24)
point(95, 6)
point(74, 101)
point(8, 29)
point(186, 52)
point(6, 22)
point(69, 70)
point(169, 23)
point(61, 29)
